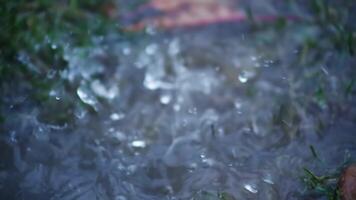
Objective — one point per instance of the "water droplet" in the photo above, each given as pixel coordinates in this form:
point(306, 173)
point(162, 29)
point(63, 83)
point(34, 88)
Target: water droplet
point(184, 122)
point(126, 51)
point(117, 116)
point(176, 107)
point(165, 98)
point(244, 76)
point(250, 188)
point(13, 137)
point(85, 95)
point(151, 49)
point(54, 94)
point(268, 180)
point(138, 144)
point(253, 58)
point(100, 90)
point(150, 30)
point(208, 161)
point(120, 136)
point(268, 63)
point(80, 112)
point(51, 73)
point(174, 48)
point(120, 198)
point(238, 104)
point(325, 71)
point(54, 46)
point(150, 83)
point(193, 111)
point(131, 169)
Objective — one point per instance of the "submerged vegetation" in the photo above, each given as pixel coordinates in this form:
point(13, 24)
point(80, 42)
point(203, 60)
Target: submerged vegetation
point(38, 37)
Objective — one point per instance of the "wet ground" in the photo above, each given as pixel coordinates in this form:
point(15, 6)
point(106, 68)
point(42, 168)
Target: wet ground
point(192, 113)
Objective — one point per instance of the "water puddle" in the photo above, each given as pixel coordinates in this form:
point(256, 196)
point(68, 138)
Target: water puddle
point(212, 113)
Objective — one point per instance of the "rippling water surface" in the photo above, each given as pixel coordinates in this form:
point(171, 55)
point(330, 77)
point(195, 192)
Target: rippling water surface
point(186, 114)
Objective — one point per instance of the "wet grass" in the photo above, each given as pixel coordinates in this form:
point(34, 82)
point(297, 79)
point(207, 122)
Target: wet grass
point(337, 34)
point(325, 184)
point(36, 34)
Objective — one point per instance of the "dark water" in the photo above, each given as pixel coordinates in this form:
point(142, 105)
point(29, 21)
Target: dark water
point(183, 115)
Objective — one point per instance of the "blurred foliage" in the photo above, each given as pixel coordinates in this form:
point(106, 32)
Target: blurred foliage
point(335, 20)
point(34, 34)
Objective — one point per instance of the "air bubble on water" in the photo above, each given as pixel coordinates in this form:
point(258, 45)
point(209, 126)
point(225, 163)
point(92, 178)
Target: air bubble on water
point(117, 116)
point(151, 49)
point(250, 188)
point(138, 144)
point(165, 98)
